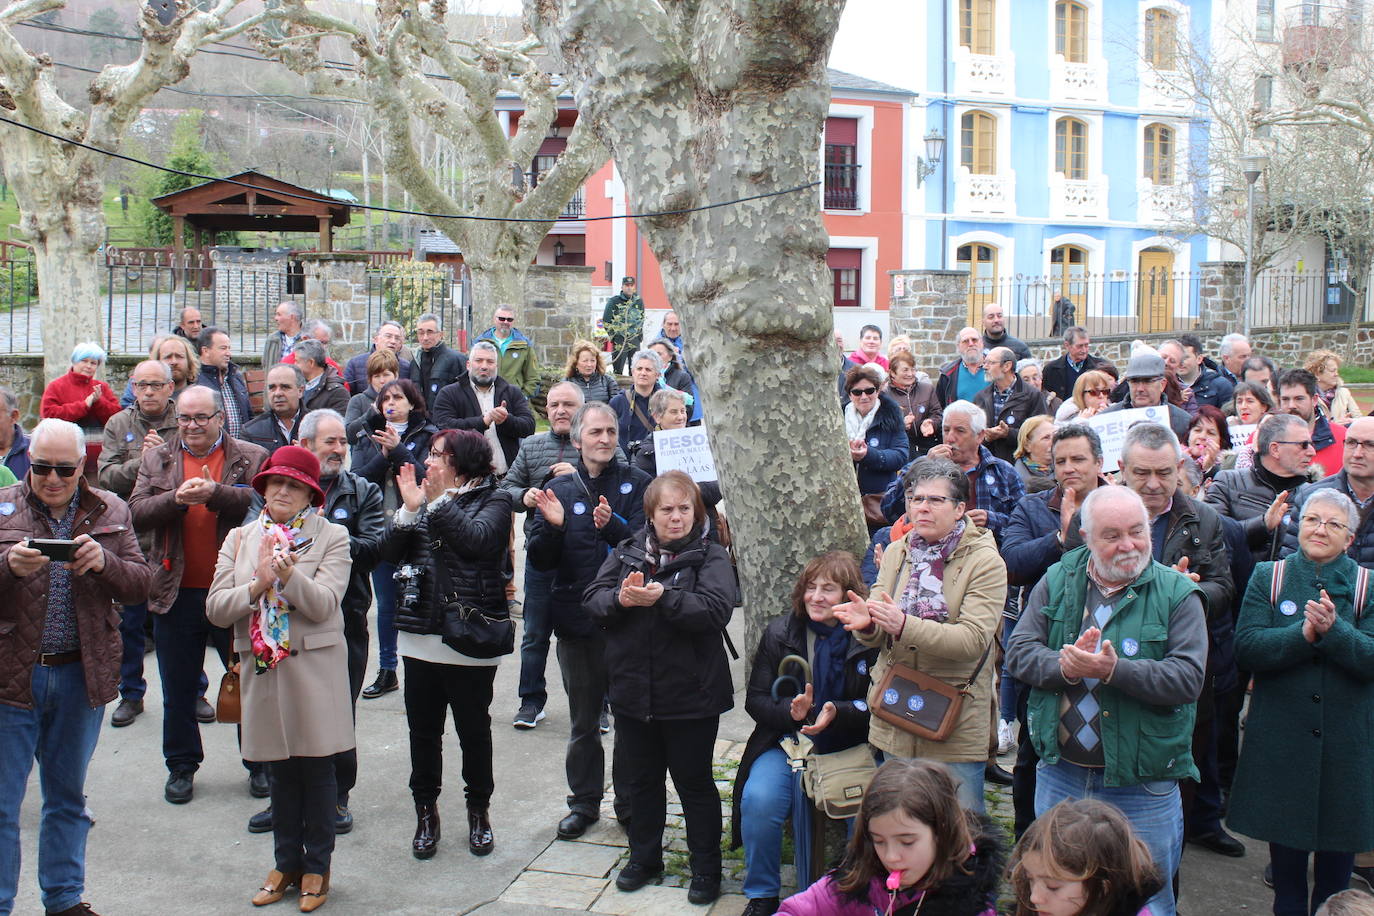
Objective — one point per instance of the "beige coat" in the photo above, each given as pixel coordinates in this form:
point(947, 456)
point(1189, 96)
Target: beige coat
point(975, 590)
point(300, 708)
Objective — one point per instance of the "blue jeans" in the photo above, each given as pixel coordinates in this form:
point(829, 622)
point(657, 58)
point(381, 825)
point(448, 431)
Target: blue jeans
point(766, 803)
point(132, 686)
point(384, 587)
point(1006, 689)
point(1153, 808)
point(60, 732)
point(534, 644)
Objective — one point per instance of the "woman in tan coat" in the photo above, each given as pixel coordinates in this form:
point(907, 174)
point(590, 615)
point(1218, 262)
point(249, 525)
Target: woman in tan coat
point(950, 584)
point(279, 582)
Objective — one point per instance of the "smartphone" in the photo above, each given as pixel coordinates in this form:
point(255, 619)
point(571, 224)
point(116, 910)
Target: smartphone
point(302, 546)
point(376, 422)
point(57, 549)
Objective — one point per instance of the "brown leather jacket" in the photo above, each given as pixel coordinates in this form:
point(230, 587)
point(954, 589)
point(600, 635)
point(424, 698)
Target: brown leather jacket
point(155, 507)
point(23, 602)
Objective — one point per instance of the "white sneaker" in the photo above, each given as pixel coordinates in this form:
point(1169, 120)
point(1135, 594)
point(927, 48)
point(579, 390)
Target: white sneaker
point(1006, 737)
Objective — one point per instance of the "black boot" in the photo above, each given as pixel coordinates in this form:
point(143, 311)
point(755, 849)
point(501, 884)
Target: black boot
point(480, 839)
point(426, 840)
point(385, 683)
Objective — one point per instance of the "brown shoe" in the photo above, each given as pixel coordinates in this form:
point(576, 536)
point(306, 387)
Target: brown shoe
point(314, 892)
point(274, 888)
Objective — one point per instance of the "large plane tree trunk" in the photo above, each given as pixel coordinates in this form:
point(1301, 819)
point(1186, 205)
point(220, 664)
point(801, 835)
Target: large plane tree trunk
point(711, 101)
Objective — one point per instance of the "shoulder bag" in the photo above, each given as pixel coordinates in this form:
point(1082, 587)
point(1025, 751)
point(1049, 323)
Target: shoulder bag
point(835, 782)
point(922, 705)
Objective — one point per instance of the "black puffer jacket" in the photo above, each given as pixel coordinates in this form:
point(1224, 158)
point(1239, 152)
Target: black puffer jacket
point(576, 551)
point(460, 545)
point(1245, 494)
point(371, 463)
point(666, 661)
point(784, 636)
point(1361, 550)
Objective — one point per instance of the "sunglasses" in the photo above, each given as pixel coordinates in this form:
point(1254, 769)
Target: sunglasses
point(1300, 443)
point(61, 470)
point(862, 392)
point(1102, 391)
point(505, 320)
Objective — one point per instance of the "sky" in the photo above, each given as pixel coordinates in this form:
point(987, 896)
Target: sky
point(871, 41)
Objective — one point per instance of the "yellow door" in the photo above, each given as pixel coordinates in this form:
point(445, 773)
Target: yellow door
point(1154, 299)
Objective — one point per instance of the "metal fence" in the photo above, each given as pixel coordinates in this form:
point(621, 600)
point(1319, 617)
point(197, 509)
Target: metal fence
point(1116, 303)
point(1284, 299)
point(405, 294)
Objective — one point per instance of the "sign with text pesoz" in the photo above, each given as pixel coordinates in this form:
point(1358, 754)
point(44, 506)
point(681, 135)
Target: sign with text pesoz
point(687, 450)
point(1111, 429)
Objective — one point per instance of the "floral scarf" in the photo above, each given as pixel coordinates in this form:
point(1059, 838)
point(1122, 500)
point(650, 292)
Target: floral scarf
point(924, 596)
point(269, 629)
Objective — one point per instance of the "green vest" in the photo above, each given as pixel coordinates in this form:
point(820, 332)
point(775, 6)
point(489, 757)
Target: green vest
point(1141, 742)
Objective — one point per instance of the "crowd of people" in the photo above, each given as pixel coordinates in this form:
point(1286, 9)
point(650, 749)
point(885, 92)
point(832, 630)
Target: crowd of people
point(1107, 627)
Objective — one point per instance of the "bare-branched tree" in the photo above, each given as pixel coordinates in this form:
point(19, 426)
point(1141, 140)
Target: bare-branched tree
point(710, 101)
point(393, 57)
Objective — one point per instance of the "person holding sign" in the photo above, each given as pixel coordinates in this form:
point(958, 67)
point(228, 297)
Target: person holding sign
point(668, 408)
point(1252, 404)
point(663, 597)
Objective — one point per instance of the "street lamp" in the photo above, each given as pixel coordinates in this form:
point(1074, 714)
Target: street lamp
point(935, 151)
point(1252, 167)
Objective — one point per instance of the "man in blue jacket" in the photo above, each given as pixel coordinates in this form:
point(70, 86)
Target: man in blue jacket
point(581, 517)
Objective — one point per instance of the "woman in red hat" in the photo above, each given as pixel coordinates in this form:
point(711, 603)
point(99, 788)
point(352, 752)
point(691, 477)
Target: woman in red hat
point(280, 582)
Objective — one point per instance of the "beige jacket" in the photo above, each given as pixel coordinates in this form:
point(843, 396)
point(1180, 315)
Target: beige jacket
point(300, 708)
point(975, 590)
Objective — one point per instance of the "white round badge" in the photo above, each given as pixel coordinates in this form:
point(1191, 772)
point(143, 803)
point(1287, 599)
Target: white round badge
point(579, 508)
point(6, 508)
point(873, 443)
point(1288, 609)
point(1130, 647)
point(626, 487)
point(341, 512)
point(128, 437)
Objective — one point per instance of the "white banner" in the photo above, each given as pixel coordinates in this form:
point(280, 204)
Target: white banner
point(686, 450)
point(1111, 429)
point(1241, 434)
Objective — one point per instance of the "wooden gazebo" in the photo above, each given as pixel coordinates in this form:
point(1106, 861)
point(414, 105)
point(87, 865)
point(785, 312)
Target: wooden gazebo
point(269, 205)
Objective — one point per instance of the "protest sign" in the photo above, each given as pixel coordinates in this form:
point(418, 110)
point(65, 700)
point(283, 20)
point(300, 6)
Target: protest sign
point(687, 450)
point(1111, 429)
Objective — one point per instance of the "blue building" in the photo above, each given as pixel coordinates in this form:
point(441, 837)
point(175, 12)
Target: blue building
point(1068, 131)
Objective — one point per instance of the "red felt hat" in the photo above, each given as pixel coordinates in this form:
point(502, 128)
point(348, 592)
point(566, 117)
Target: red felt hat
point(300, 464)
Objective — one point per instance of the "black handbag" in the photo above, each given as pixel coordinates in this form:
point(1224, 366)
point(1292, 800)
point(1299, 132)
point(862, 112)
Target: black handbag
point(477, 633)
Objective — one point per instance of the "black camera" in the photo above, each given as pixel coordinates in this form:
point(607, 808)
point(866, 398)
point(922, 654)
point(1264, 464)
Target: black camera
point(408, 586)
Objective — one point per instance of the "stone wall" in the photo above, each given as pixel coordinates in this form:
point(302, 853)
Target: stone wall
point(557, 311)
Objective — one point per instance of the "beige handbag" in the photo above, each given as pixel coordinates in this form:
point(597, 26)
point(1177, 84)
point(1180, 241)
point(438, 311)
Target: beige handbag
point(834, 782)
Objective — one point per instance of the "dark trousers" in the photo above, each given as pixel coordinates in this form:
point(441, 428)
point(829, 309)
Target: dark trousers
point(303, 795)
point(1202, 799)
point(683, 748)
point(431, 691)
point(1330, 874)
point(623, 349)
point(1228, 708)
point(534, 643)
point(132, 686)
point(180, 636)
point(1023, 773)
point(583, 664)
point(355, 639)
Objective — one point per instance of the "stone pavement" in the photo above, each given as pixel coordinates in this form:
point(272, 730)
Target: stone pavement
point(148, 857)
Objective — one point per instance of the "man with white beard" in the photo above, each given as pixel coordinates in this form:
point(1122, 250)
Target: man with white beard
point(1114, 647)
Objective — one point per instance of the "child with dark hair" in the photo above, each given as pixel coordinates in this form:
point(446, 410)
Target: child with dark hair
point(914, 850)
point(1081, 858)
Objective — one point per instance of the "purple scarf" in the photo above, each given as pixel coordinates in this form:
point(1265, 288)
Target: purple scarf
point(924, 596)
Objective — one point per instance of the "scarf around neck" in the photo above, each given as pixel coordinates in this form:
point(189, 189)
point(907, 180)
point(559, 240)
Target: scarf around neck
point(269, 628)
point(855, 425)
point(924, 596)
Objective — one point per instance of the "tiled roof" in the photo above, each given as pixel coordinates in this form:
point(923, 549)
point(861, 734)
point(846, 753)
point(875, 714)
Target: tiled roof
point(840, 80)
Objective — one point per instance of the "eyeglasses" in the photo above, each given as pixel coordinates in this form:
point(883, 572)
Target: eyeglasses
point(1145, 381)
point(196, 419)
point(1300, 443)
point(505, 320)
point(442, 456)
point(64, 471)
point(1102, 391)
point(149, 386)
point(1312, 521)
point(922, 499)
point(1354, 444)
point(862, 392)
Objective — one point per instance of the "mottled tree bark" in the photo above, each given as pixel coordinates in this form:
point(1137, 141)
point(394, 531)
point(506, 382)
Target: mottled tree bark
point(703, 101)
point(59, 187)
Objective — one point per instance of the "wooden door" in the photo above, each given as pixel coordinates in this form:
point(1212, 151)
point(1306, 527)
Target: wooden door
point(1154, 298)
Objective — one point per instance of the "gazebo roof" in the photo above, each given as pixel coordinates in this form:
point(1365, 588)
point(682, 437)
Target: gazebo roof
point(221, 206)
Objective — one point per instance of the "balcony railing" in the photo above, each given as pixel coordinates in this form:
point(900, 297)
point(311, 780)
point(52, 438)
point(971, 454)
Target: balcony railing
point(841, 186)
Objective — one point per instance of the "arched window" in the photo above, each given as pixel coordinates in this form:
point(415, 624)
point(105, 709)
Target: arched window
point(1068, 266)
point(1071, 148)
point(1071, 31)
point(981, 263)
point(978, 143)
point(976, 19)
point(1161, 38)
point(1158, 157)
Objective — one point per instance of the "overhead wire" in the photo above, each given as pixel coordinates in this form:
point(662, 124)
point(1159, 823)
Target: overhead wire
point(461, 216)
